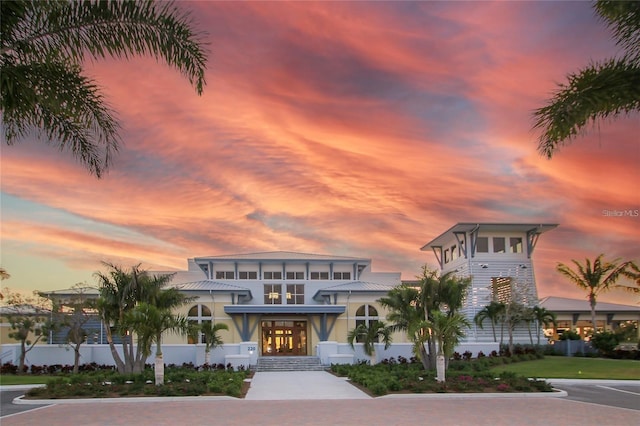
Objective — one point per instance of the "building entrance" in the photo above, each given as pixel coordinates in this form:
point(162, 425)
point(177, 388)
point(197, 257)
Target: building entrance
point(284, 337)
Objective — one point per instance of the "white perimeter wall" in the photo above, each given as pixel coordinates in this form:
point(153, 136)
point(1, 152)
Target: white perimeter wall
point(236, 354)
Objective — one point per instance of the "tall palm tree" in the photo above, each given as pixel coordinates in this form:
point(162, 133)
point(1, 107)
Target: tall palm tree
point(600, 90)
point(596, 277)
point(543, 316)
point(369, 335)
point(118, 296)
point(493, 312)
point(42, 86)
point(212, 339)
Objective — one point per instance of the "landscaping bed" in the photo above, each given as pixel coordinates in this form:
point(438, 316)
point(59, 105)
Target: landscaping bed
point(472, 376)
point(179, 381)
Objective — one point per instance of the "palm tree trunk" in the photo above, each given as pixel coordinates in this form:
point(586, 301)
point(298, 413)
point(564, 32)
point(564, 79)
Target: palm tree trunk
point(159, 369)
point(114, 352)
point(493, 329)
point(592, 302)
point(159, 365)
point(207, 356)
point(440, 368)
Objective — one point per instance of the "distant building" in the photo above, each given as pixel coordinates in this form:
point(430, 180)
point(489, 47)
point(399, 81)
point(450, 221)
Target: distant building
point(575, 314)
point(498, 258)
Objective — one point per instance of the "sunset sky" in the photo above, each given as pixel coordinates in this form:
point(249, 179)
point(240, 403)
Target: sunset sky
point(349, 128)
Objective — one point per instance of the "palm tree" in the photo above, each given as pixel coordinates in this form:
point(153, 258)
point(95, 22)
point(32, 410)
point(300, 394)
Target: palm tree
point(212, 340)
point(369, 335)
point(493, 312)
point(122, 292)
point(634, 274)
point(44, 44)
point(406, 314)
point(410, 308)
point(596, 278)
point(150, 322)
point(447, 330)
point(600, 90)
point(542, 317)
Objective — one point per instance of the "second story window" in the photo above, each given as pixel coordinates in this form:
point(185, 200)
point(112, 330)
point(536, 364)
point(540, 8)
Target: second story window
point(295, 275)
point(248, 275)
point(273, 294)
point(295, 294)
point(272, 275)
point(319, 275)
point(225, 275)
point(342, 275)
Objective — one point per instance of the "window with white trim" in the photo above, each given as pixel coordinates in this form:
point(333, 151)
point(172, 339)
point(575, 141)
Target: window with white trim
point(366, 314)
point(499, 245)
point(198, 314)
point(225, 275)
point(277, 275)
point(342, 275)
point(273, 294)
point(248, 275)
point(292, 275)
point(295, 294)
point(515, 245)
point(319, 276)
point(482, 244)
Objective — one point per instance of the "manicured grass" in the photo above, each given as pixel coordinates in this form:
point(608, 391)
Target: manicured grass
point(27, 379)
point(559, 367)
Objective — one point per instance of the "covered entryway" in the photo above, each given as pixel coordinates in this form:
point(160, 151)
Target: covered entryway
point(284, 337)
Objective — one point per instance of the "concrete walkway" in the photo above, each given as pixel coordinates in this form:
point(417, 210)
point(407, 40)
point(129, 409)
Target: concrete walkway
point(292, 385)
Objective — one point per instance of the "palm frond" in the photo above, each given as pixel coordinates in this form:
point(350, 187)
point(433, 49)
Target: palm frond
point(599, 91)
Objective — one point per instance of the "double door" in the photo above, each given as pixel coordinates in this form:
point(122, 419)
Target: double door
point(284, 337)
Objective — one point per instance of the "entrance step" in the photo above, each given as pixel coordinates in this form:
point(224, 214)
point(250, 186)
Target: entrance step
point(289, 363)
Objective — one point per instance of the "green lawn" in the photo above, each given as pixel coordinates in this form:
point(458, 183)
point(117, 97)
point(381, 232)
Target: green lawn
point(559, 367)
point(28, 379)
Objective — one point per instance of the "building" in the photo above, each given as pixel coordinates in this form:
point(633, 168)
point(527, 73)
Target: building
point(295, 304)
point(575, 314)
point(284, 303)
point(498, 258)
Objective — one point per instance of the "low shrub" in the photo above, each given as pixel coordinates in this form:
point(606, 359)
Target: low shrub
point(179, 381)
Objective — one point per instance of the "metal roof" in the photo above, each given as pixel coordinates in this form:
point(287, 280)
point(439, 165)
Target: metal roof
point(563, 304)
point(281, 255)
point(490, 227)
point(354, 286)
point(210, 285)
point(284, 309)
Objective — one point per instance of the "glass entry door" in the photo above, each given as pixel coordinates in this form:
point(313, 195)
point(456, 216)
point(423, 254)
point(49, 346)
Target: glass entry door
point(287, 338)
